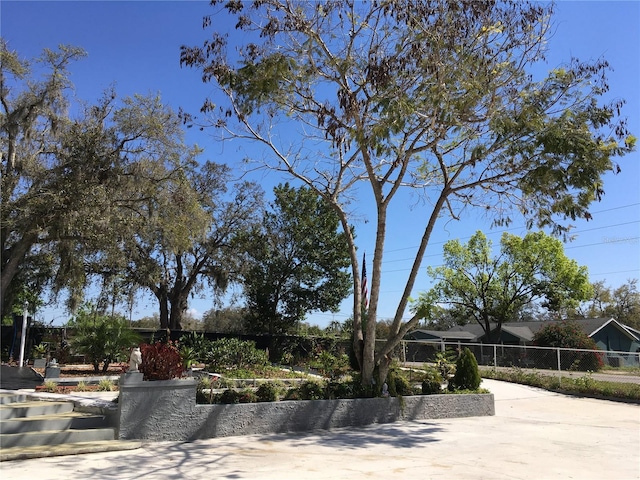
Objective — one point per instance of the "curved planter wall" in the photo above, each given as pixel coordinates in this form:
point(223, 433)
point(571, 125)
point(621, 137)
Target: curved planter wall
point(167, 410)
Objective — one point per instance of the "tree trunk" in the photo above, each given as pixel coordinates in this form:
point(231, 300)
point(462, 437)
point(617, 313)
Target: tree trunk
point(10, 269)
point(178, 302)
point(161, 295)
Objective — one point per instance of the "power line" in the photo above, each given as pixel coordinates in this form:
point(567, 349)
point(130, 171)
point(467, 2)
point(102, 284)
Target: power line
point(523, 226)
point(613, 273)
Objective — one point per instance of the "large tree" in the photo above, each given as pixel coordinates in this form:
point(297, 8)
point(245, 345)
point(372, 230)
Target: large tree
point(182, 238)
point(622, 303)
point(493, 289)
point(76, 189)
point(295, 262)
point(363, 99)
point(33, 100)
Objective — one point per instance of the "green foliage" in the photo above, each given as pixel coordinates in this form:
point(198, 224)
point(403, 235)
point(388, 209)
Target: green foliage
point(161, 361)
point(295, 263)
point(493, 290)
point(450, 104)
point(189, 357)
point(269, 391)
point(50, 386)
point(198, 345)
point(622, 303)
point(307, 390)
point(340, 389)
point(35, 211)
point(568, 334)
point(432, 382)
point(331, 366)
point(230, 396)
point(446, 363)
point(82, 387)
point(101, 338)
point(233, 353)
point(40, 350)
point(467, 376)
point(105, 385)
point(403, 387)
point(585, 385)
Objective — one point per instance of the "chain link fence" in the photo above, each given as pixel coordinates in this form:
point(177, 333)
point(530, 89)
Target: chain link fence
point(523, 356)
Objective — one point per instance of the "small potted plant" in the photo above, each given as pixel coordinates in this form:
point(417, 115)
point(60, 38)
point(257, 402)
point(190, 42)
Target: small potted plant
point(39, 354)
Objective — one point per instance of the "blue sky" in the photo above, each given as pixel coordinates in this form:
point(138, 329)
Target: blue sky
point(134, 46)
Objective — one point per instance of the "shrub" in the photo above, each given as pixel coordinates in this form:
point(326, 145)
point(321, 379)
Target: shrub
point(268, 392)
point(198, 346)
point(105, 385)
point(432, 382)
point(101, 338)
point(309, 390)
point(467, 376)
point(161, 361)
point(403, 387)
point(228, 353)
point(337, 389)
point(230, 396)
point(50, 386)
point(81, 387)
point(330, 365)
point(204, 390)
point(568, 334)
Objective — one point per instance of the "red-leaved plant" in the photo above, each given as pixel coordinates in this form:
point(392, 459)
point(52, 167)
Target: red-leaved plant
point(161, 361)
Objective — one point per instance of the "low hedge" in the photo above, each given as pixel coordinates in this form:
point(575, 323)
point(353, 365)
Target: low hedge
point(584, 385)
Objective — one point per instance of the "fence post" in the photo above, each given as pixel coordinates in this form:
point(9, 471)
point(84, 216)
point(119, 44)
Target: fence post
point(558, 352)
point(495, 357)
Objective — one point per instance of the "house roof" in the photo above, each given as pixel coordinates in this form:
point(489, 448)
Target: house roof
point(633, 331)
point(446, 334)
point(522, 332)
point(527, 330)
point(628, 331)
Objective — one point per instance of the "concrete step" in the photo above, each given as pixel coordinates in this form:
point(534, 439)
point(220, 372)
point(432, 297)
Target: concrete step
point(63, 421)
point(55, 437)
point(24, 453)
point(33, 408)
point(7, 398)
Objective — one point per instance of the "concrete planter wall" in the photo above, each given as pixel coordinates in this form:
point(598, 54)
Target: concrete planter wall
point(167, 410)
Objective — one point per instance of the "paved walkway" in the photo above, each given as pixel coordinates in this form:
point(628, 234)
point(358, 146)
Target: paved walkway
point(534, 435)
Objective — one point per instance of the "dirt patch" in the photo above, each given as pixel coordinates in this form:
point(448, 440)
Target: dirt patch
point(88, 370)
point(67, 389)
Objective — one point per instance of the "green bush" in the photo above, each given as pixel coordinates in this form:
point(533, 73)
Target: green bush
point(197, 344)
point(102, 339)
point(309, 390)
point(568, 335)
point(338, 389)
point(330, 365)
point(403, 387)
point(432, 382)
point(233, 353)
point(269, 392)
point(247, 396)
point(229, 396)
point(467, 376)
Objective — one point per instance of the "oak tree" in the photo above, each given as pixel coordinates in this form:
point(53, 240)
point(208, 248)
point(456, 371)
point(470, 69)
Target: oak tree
point(295, 262)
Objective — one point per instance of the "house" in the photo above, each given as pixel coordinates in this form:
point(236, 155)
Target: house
point(609, 335)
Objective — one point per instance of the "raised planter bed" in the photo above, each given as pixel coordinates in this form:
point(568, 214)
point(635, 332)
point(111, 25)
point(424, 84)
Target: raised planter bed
point(167, 410)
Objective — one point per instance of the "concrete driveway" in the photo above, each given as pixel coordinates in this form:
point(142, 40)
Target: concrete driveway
point(534, 435)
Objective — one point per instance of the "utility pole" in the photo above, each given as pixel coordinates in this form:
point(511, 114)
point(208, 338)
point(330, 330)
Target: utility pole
point(23, 332)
